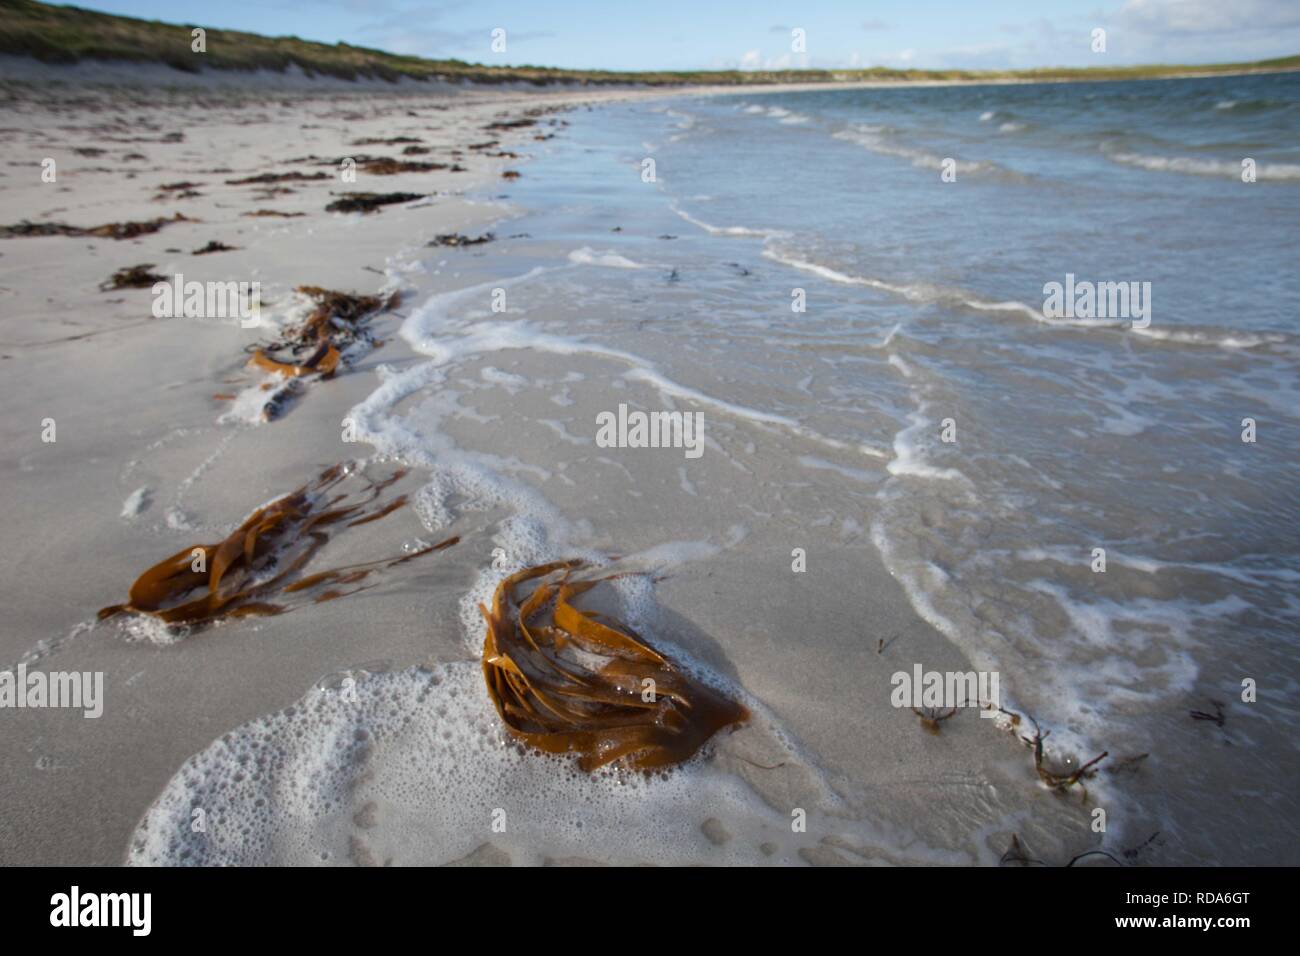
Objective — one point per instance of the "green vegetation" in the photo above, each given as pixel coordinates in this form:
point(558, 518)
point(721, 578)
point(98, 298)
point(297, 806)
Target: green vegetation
point(70, 34)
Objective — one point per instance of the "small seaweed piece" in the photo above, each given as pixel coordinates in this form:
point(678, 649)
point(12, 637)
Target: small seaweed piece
point(1217, 717)
point(385, 166)
point(510, 124)
point(276, 178)
point(132, 277)
point(257, 213)
point(391, 141)
point(457, 240)
point(931, 717)
point(110, 230)
point(369, 202)
point(233, 578)
point(1060, 780)
point(182, 190)
point(129, 230)
point(637, 708)
point(213, 246)
point(510, 174)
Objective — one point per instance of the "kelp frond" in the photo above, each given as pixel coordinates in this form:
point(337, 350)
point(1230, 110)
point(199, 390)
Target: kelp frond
point(337, 320)
point(265, 556)
point(636, 706)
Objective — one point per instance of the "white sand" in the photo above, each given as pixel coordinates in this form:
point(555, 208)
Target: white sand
point(132, 397)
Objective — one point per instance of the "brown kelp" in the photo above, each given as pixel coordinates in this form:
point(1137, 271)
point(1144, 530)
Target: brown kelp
point(132, 277)
point(369, 202)
point(1057, 778)
point(110, 230)
point(337, 320)
point(636, 707)
point(390, 141)
point(457, 240)
point(264, 557)
point(265, 178)
point(213, 245)
point(386, 166)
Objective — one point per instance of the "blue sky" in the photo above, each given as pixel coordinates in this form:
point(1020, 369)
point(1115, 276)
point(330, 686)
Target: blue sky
point(721, 34)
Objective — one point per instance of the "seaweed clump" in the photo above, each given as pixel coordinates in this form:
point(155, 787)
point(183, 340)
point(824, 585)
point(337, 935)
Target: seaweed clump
point(263, 557)
point(213, 245)
point(265, 178)
point(132, 277)
point(110, 230)
point(337, 321)
point(369, 202)
point(386, 166)
point(637, 707)
point(458, 240)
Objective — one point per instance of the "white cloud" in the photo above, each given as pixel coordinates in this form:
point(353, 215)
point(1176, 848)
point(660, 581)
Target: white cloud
point(1207, 16)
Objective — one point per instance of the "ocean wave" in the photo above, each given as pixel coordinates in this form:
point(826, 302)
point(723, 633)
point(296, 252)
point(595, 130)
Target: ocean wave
point(727, 230)
point(586, 256)
point(1192, 166)
point(881, 140)
point(916, 292)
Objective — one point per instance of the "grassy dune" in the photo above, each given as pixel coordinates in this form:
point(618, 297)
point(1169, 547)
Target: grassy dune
point(69, 34)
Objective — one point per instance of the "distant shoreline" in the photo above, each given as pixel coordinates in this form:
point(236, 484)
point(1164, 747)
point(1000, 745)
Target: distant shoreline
point(64, 37)
point(117, 72)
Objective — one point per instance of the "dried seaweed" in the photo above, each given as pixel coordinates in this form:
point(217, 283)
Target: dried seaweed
point(386, 166)
point(213, 246)
point(638, 707)
point(111, 230)
point(264, 178)
point(391, 141)
point(259, 213)
point(511, 124)
point(369, 202)
point(510, 174)
point(416, 151)
point(457, 240)
point(264, 557)
point(132, 277)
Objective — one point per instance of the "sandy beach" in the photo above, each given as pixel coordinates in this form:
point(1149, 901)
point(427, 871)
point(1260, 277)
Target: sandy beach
point(819, 544)
point(143, 463)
